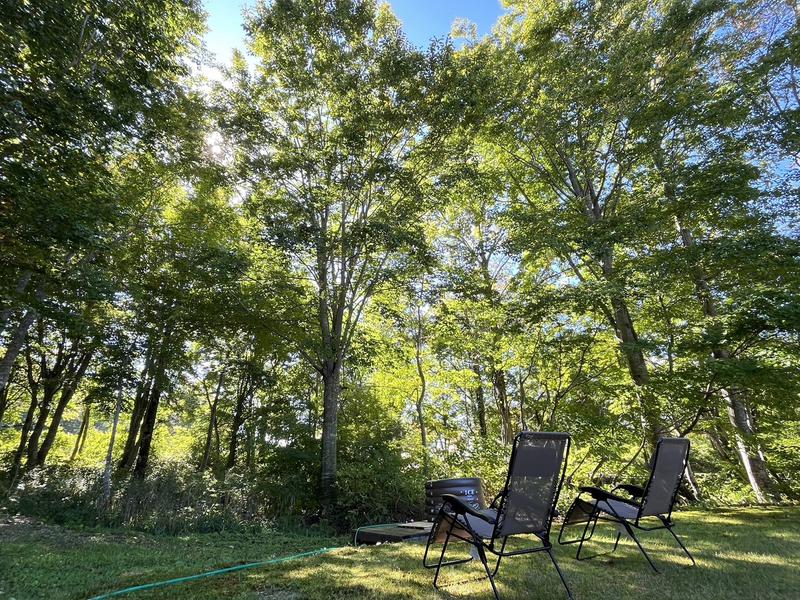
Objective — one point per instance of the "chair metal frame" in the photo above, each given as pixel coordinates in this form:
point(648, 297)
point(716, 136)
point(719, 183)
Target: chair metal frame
point(638, 501)
point(453, 514)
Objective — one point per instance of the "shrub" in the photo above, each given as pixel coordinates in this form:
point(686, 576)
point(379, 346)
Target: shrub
point(173, 499)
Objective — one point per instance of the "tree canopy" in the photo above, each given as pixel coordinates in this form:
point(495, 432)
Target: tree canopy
point(350, 264)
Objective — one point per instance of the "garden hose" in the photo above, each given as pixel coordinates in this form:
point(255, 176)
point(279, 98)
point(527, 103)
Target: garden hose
point(158, 584)
point(214, 573)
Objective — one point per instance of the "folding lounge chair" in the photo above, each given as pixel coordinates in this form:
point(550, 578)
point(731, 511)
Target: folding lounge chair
point(525, 506)
point(655, 500)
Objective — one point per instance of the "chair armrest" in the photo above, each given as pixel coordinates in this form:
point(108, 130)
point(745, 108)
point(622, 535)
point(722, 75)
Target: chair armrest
point(601, 494)
point(596, 492)
point(636, 491)
point(460, 508)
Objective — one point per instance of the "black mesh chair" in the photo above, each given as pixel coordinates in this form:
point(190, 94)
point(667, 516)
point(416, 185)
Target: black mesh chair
point(525, 506)
point(652, 503)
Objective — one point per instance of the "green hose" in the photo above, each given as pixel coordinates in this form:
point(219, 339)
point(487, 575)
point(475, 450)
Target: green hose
point(157, 584)
point(273, 561)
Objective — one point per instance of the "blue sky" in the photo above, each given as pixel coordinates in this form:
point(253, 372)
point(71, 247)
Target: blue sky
point(422, 20)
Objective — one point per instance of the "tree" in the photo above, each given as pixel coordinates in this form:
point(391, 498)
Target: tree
point(708, 190)
point(191, 260)
point(579, 82)
point(56, 361)
point(479, 276)
point(327, 132)
point(82, 85)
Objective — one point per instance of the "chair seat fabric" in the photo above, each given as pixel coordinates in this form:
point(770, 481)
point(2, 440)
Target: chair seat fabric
point(479, 526)
point(617, 508)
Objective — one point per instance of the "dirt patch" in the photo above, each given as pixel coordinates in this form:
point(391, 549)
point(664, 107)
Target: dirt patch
point(14, 527)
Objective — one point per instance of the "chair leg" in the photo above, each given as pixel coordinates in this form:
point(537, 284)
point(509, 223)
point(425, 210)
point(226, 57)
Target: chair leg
point(593, 523)
point(441, 557)
point(586, 538)
point(499, 557)
point(588, 510)
point(641, 548)
point(560, 574)
point(431, 537)
point(594, 526)
point(482, 555)
point(680, 543)
point(438, 564)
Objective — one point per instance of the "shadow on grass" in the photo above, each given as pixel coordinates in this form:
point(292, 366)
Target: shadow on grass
point(738, 555)
point(751, 553)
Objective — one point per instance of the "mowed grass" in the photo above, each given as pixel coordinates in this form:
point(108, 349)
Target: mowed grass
point(743, 553)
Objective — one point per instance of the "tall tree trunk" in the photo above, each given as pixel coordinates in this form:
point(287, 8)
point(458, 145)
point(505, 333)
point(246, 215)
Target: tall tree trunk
point(143, 387)
point(149, 419)
point(480, 400)
point(719, 441)
point(634, 357)
point(250, 442)
point(49, 389)
point(4, 397)
point(22, 285)
point(747, 448)
point(501, 397)
point(67, 391)
point(131, 446)
point(618, 316)
point(523, 400)
point(331, 388)
point(85, 431)
point(33, 385)
point(637, 367)
point(106, 500)
point(423, 432)
point(212, 423)
point(243, 390)
point(16, 463)
point(146, 433)
point(14, 347)
point(82, 433)
point(423, 435)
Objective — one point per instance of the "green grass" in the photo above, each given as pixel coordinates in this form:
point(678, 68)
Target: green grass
point(745, 553)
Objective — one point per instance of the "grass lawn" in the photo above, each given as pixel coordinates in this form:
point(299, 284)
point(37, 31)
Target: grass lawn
point(746, 553)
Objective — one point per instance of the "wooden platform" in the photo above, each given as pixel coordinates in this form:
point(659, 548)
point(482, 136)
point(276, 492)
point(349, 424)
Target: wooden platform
point(393, 532)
